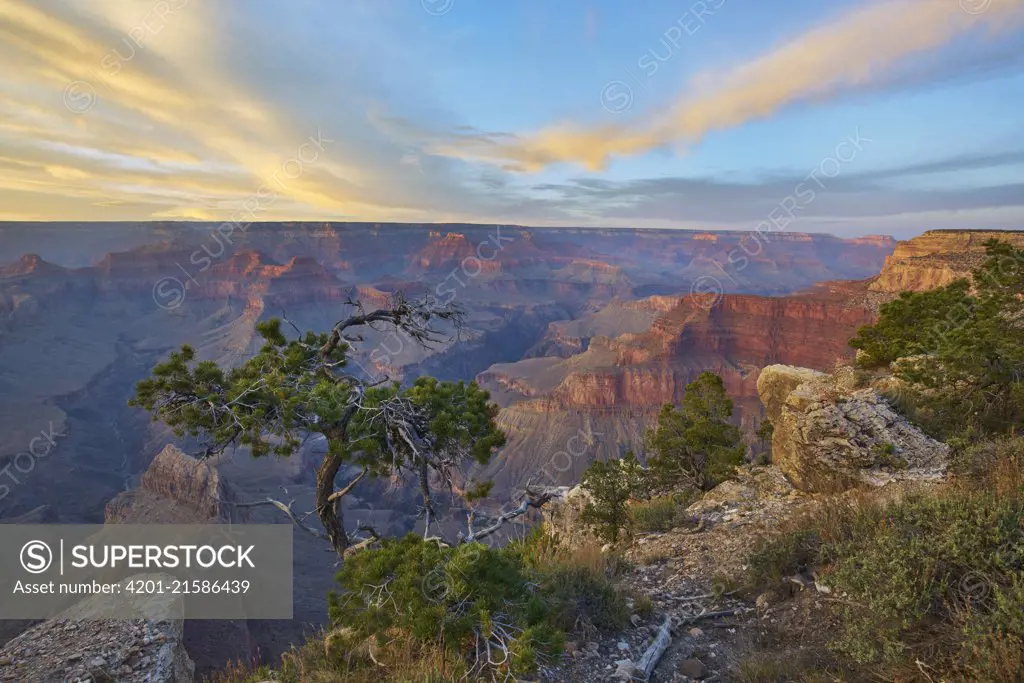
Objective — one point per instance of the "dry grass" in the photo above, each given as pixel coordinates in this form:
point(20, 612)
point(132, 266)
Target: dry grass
point(323, 659)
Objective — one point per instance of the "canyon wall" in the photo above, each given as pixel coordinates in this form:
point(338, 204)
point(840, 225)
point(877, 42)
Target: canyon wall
point(562, 412)
point(937, 258)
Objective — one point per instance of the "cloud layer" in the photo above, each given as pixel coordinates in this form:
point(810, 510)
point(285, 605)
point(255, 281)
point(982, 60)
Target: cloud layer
point(150, 109)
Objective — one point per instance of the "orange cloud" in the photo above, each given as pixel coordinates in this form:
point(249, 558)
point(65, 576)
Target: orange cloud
point(853, 51)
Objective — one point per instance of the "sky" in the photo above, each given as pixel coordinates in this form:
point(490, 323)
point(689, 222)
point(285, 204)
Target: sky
point(856, 117)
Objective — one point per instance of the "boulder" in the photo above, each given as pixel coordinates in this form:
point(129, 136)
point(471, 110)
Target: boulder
point(777, 382)
point(830, 436)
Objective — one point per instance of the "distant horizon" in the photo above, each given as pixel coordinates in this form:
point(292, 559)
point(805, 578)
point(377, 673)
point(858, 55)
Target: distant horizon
point(524, 226)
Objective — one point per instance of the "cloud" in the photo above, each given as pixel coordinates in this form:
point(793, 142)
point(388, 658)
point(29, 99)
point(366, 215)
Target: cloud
point(848, 199)
point(188, 112)
point(856, 51)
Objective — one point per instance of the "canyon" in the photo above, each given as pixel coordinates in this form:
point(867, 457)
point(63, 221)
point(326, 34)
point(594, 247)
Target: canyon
point(579, 334)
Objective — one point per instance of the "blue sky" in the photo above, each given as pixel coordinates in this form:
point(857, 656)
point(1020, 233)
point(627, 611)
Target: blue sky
point(692, 115)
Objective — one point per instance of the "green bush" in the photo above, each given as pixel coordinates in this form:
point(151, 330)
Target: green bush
point(957, 350)
point(951, 559)
point(783, 555)
point(695, 445)
point(470, 597)
point(937, 575)
point(576, 585)
point(611, 485)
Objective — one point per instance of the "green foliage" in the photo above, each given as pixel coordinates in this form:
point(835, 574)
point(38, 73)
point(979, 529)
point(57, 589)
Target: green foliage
point(952, 557)
point(783, 555)
point(661, 513)
point(695, 445)
point(764, 431)
point(936, 575)
point(289, 390)
point(611, 485)
point(976, 458)
point(459, 419)
point(959, 354)
point(576, 584)
point(261, 403)
point(478, 491)
point(692, 448)
point(469, 595)
point(914, 324)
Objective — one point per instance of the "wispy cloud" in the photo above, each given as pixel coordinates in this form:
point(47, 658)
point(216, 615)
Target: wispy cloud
point(853, 52)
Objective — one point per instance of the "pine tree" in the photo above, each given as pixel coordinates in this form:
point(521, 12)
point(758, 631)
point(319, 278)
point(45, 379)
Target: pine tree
point(294, 388)
point(695, 445)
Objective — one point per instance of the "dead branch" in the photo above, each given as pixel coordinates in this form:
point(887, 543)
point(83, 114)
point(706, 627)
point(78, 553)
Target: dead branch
point(707, 615)
point(365, 542)
point(286, 508)
point(341, 493)
point(649, 660)
point(532, 499)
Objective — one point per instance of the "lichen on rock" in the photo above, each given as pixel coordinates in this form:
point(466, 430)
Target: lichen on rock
point(829, 436)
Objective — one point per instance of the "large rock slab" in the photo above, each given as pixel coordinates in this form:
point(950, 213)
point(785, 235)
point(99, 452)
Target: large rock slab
point(79, 646)
point(831, 437)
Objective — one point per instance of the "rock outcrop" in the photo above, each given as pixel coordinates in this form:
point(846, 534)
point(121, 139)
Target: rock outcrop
point(176, 489)
point(563, 516)
point(830, 436)
point(179, 489)
point(78, 646)
point(937, 258)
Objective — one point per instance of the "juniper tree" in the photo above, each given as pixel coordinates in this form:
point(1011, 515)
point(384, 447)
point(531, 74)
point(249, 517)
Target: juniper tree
point(695, 445)
point(297, 387)
point(611, 486)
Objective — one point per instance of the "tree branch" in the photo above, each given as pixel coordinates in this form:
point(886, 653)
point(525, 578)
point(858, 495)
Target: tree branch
point(532, 499)
point(341, 493)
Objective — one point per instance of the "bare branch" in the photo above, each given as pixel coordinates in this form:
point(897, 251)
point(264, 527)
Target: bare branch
point(532, 499)
point(341, 493)
point(286, 509)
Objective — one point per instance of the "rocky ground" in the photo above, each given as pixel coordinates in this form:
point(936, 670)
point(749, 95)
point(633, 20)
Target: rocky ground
point(830, 440)
point(691, 575)
point(80, 646)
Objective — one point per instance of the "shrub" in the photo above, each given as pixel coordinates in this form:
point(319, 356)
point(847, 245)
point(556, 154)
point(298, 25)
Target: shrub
point(783, 555)
point(576, 585)
point(952, 559)
point(469, 598)
point(936, 576)
point(958, 352)
point(662, 513)
point(611, 485)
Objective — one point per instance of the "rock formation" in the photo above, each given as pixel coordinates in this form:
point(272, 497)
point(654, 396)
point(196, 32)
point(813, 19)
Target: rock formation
point(937, 258)
point(176, 489)
point(830, 436)
point(78, 646)
point(597, 403)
